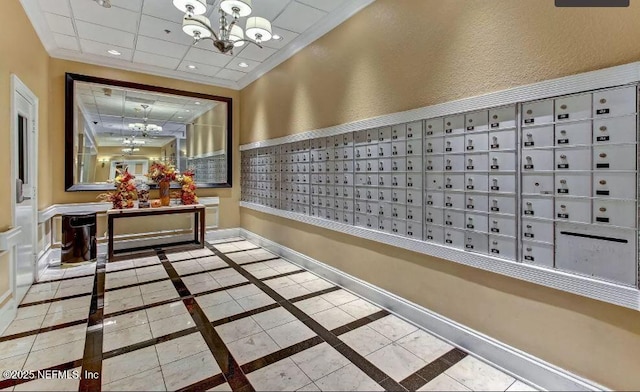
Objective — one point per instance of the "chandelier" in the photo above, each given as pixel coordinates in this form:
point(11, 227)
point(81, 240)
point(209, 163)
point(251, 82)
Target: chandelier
point(130, 150)
point(132, 142)
point(230, 35)
point(144, 126)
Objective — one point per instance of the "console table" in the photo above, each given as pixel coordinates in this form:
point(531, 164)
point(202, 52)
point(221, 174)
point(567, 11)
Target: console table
point(198, 210)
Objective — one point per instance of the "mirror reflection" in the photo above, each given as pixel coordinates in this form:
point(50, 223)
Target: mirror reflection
point(118, 128)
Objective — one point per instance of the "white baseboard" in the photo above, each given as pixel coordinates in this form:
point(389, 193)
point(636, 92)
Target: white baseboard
point(7, 314)
point(220, 234)
point(509, 359)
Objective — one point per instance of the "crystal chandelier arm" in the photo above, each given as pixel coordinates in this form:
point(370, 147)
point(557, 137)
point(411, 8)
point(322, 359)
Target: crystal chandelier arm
point(213, 33)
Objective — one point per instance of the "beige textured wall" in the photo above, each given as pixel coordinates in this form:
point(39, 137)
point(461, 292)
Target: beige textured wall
point(229, 211)
point(397, 55)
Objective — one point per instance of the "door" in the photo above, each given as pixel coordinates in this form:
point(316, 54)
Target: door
point(24, 182)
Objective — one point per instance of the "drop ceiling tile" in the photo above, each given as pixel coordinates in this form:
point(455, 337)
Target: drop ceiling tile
point(165, 48)
point(324, 5)
point(155, 28)
point(114, 17)
point(298, 17)
point(235, 65)
point(269, 9)
point(60, 7)
point(60, 24)
point(207, 57)
point(66, 41)
point(133, 5)
point(255, 53)
point(230, 75)
point(155, 59)
point(105, 35)
point(203, 69)
point(101, 49)
point(287, 37)
point(162, 10)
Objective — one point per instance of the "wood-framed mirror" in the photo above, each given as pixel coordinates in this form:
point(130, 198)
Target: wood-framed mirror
point(113, 124)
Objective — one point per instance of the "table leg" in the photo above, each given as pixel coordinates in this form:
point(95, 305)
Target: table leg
point(110, 239)
point(202, 217)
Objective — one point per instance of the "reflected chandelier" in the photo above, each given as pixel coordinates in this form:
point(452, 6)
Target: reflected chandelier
point(144, 126)
point(195, 24)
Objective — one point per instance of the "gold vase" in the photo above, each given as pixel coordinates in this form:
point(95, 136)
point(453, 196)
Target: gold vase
point(165, 198)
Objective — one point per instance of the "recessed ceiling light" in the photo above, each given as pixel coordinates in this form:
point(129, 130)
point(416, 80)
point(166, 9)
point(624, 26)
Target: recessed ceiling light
point(180, 117)
point(114, 52)
point(191, 66)
point(243, 65)
point(188, 111)
point(276, 37)
point(197, 103)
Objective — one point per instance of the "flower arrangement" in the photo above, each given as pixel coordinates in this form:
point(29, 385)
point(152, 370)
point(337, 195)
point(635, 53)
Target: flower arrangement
point(125, 191)
point(160, 172)
point(188, 194)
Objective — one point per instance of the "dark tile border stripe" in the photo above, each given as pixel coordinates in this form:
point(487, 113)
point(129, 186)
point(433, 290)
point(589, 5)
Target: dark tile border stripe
point(432, 370)
point(46, 301)
point(281, 354)
point(243, 250)
point(242, 315)
point(367, 367)
point(230, 368)
point(92, 360)
point(61, 279)
point(42, 330)
point(315, 294)
point(149, 342)
point(65, 366)
point(259, 261)
point(361, 322)
point(283, 275)
point(141, 307)
point(205, 384)
point(203, 272)
point(135, 284)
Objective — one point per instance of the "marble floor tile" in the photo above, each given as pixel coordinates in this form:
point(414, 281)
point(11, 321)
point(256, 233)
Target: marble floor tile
point(244, 291)
point(224, 387)
point(84, 281)
point(292, 291)
point(290, 333)
point(187, 267)
point(258, 267)
point(73, 290)
point(231, 280)
point(333, 318)
point(212, 262)
point(32, 311)
point(119, 265)
point(313, 305)
point(364, 340)
point(339, 297)
point(199, 278)
point(146, 261)
point(171, 309)
point(213, 299)
point(121, 274)
point(54, 384)
point(224, 273)
point(59, 336)
point(444, 383)
point(169, 325)
point(317, 285)
point(318, 361)
point(23, 325)
point(222, 240)
point(348, 378)
point(154, 287)
point(252, 347)
point(70, 304)
point(359, 308)
point(12, 363)
point(393, 327)
point(273, 318)
point(149, 380)
point(303, 277)
point(264, 273)
point(43, 287)
point(255, 301)
point(117, 305)
point(125, 337)
point(129, 364)
point(152, 269)
point(63, 317)
point(14, 347)
point(479, 376)
point(311, 387)
point(204, 252)
point(189, 370)
point(425, 346)
point(36, 296)
point(112, 283)
point(124, 321)
point(396, 361)
point(280, 282)
point(519, 386)
point(152, 276)
point(238, 329)
point(179, 256)
point(123, 293)
point(55, 355)
point(223, 310)
point(284, 267)
point(180, 348)
point(197, 288)
point(283, 375)
point(159, 296)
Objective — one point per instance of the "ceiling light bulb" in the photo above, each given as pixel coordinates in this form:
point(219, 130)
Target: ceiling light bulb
point(240, 7)
point(243, 65)
point(197, 26)
point(258, 29)
point(114, 52)
point(191, 66)
point(197, 103)
point(236, 35)
point(195, 7)
point(277, 37)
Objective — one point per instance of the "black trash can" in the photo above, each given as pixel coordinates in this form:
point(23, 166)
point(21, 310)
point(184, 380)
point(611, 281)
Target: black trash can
point(79, 238)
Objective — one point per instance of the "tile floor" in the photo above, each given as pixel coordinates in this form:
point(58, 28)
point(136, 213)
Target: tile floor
point(231, 316)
